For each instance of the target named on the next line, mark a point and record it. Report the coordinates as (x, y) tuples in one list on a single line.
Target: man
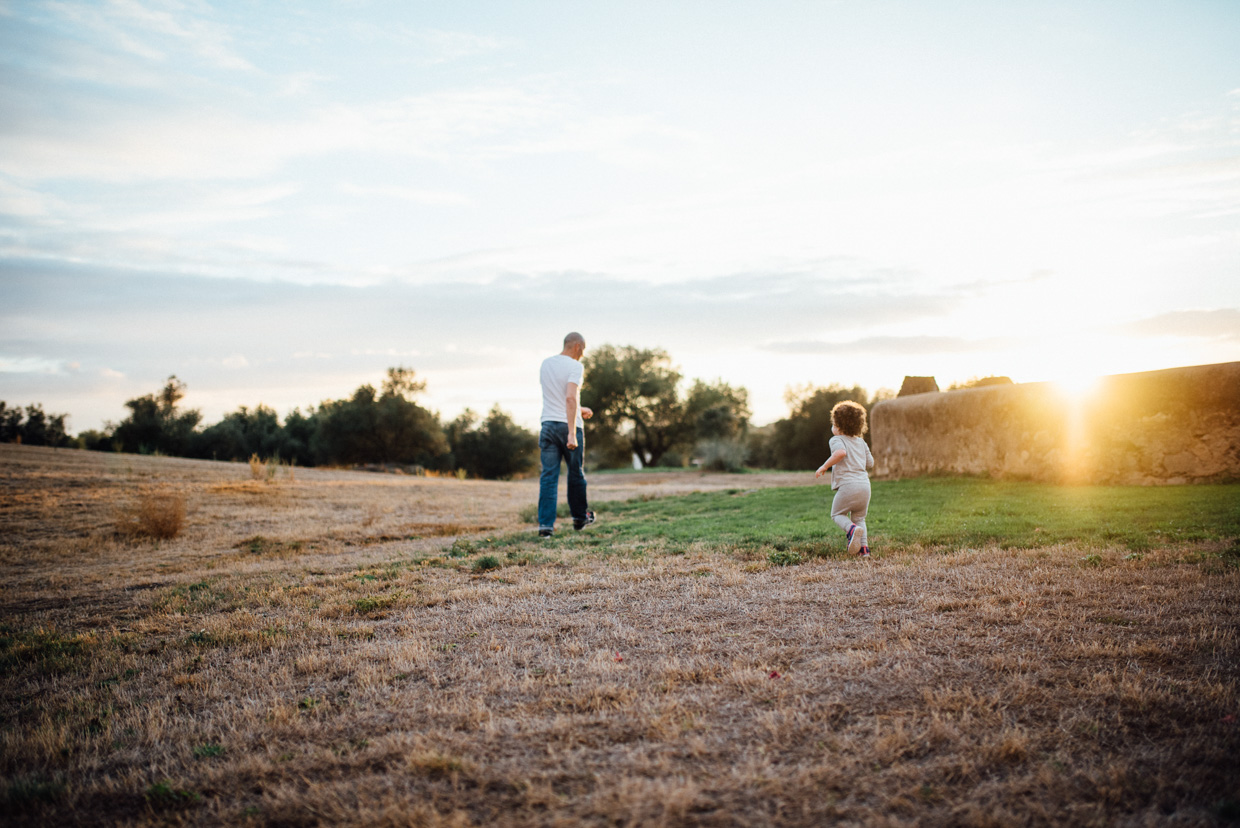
[(563, 435)]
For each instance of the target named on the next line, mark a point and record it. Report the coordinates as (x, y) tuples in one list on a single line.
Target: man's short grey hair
[(573, 338)]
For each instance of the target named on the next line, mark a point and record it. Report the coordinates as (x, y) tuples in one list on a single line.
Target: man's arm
[(572, 402)]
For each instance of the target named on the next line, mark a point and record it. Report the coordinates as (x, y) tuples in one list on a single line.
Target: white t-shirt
[(557, 372), (857, 459)]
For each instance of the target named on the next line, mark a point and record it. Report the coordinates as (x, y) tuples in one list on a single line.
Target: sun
[(1077, 385)]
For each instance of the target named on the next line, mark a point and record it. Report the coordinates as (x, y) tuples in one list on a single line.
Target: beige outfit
[(851, 483)]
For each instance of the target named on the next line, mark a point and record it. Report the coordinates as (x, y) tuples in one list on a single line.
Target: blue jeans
[(553, 447)]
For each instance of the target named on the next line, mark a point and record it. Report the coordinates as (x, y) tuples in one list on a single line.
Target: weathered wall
[(1180, 425)]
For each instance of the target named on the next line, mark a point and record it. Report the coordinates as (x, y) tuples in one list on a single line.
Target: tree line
[(643, 409), (384, 427)]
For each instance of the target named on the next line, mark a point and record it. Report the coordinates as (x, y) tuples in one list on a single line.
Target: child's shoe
[(864, 553), (854, 539)]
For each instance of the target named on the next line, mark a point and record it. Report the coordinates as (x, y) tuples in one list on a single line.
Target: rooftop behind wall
[(1180, 425)]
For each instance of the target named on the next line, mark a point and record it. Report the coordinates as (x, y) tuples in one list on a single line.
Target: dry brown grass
[(308, 653), (157, 513)]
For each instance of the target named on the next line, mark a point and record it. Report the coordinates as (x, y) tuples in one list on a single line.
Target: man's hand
[(572, 439), (586, 413)]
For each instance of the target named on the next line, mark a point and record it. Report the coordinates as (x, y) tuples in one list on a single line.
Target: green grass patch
[(165, 795), (486, 562), (51, 651), (943, 513), (198, 597), (374, 603), (208, 751)]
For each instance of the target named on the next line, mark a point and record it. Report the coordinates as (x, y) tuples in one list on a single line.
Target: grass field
[(343, 648)]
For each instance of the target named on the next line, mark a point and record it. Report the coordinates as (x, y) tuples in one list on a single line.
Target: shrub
[(671, 460), (722, 455), (495, 448), (486, 562), (784, 557), (460, 548), (158, 514)]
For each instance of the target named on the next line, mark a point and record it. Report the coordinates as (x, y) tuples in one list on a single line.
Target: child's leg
[(850, 506), (859, 512), (844, 503)]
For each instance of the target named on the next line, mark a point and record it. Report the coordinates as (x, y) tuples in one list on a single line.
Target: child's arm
[(839, 455)]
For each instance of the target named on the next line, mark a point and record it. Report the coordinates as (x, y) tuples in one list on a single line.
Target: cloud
[(26, 203), (1223, 323), (443, 46), (194, 140), (148, 325), (427, 45), (890, 345), (411, 194), (29, 365), (135, 27)]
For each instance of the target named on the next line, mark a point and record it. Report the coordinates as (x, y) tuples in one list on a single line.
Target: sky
[(278, 201)]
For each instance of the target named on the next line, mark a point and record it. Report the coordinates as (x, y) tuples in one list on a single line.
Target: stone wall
[(1180, 425)]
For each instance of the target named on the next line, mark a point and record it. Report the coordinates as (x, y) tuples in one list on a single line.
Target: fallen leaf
[(775, 674), (619, 657)]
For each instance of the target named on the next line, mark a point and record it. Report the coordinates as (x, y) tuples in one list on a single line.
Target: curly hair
[(849, 418)]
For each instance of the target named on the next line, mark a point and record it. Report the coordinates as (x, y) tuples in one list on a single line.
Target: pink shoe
[(854, 539)]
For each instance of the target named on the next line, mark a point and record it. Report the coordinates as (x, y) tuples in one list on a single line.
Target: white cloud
[(23, 201), (430, 46), (1222, 323), (29, 365), (920, 345), (132, 25), (444, 46), (411, 194)]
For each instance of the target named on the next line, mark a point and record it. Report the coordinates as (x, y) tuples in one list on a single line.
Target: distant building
[(918, 385)]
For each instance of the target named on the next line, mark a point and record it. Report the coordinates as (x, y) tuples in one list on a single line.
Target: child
[(850, 482)]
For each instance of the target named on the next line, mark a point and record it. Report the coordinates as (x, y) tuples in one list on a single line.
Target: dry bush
[(156, 514), (261, 469)]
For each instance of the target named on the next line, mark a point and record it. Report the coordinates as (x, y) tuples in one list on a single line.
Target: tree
[(95, 440), (801, 440), (34, 430), (718, 411), (299, 435), (33, 427), (242, 434), (155, 424), (11, 423), (496, 449), (719, 414), (637, 408), (390, 428), (980, 382)]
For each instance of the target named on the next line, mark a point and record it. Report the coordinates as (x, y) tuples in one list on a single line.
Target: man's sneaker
[(854, 539), (544, 533), (585, 521), (864, 553)]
